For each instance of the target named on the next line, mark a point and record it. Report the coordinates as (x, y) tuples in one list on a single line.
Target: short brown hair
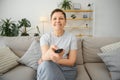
[(58, 10)]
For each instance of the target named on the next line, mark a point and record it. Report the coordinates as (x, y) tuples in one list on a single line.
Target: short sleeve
[(44, 40), (73, 45)]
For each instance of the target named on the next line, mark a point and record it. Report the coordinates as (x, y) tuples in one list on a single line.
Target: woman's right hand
[(54, 56)]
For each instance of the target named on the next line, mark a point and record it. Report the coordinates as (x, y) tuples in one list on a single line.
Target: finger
[(55, 59), (54, 47)]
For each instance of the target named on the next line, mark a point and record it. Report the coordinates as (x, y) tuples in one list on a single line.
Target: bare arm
[(70, 61), (48, 53), (44, 50)]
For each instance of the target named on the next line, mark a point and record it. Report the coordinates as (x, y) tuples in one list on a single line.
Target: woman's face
[(58, 21)]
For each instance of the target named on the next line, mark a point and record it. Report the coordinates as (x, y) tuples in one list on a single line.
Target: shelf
[(78, 10), (79, 27), (83, 35), (80, 19)]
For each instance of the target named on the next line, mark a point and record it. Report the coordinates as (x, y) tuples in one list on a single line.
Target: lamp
[(43, 20)]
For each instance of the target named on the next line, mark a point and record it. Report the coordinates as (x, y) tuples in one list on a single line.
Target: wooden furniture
[(82, 22)]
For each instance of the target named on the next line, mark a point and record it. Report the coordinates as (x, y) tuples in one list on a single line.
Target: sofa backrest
[(79, 51), (18, 45), (91, 46), (87, 47)]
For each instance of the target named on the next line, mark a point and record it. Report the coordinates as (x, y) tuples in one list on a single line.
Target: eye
[(61, 18), (54, 18)]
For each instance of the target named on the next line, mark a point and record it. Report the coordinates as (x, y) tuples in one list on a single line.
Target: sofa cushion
[(20, 73), (79, 51), (91, 46), (82, 74), (18, 45), (112, 61), (8, 59), (97, 71), (110, 47), (32, 55)]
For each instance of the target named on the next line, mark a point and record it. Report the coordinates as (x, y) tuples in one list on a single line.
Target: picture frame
[(76, 6)]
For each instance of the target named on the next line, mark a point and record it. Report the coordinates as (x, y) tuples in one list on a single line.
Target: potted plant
[(24, 23), (66, 5), (8, 28), (38, 32)]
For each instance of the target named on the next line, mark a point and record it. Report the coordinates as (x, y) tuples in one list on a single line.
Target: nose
[(57, 20)]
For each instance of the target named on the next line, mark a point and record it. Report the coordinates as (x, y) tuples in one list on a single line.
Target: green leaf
[(66, 4)]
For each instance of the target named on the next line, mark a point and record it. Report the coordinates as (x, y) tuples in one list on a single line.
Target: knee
[(45, 65)]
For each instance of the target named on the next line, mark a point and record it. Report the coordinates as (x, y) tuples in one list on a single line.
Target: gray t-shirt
[(67, 41)]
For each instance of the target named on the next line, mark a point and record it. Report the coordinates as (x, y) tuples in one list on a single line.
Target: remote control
[(58, 50)]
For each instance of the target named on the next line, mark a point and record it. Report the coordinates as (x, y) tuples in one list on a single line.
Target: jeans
[(49, 70)]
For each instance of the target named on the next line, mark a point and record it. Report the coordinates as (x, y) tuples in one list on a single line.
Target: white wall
[(107, 18), (106, 13), (30, 9)]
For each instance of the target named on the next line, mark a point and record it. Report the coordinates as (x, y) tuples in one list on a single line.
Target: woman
[(53, 66)]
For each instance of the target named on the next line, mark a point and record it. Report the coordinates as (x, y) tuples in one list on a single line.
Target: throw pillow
[(8, 59), (32, 55), (2, 44), (112, 61), (110, 47)]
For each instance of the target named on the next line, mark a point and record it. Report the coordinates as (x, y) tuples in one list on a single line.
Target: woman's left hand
[(57, 57)]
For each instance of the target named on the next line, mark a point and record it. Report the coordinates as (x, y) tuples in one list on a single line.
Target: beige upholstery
[(79, 52), (8, 59), (91, 46), (97, 71), (82, 74), (20, 73), (19, 45), (90, 66)]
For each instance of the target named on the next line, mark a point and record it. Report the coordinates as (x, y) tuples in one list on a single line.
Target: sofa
[(90, 65)]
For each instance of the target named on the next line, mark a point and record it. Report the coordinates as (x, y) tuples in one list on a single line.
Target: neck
[(59, 33)]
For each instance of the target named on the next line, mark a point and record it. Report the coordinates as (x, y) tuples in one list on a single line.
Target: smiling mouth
[(57, 24)]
